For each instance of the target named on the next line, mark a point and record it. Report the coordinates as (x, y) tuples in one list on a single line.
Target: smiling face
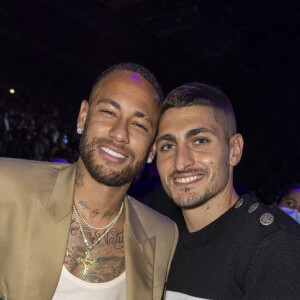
[(193, 157), (120, 127)]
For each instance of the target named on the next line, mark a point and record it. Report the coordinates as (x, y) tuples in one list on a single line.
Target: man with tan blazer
[(70, 231)]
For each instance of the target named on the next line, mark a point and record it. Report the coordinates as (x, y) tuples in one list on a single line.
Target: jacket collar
[(60, 202), (139, 256), (46, 242), (139, 248)]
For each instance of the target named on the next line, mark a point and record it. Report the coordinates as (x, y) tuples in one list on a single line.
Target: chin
[(183, 201), (191, 200)]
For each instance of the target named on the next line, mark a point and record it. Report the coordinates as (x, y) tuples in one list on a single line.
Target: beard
[(212, 189), (102, 173)]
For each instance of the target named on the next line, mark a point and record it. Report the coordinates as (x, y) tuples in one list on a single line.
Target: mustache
[(191, 170), (100, 141)]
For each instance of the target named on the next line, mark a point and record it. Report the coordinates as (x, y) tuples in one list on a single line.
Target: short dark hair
[(204, 95), (136, 68), (287, 190)]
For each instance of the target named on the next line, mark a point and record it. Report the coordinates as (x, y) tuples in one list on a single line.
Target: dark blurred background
[(52, 51)]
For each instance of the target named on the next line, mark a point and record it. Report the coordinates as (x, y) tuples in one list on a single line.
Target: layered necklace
[(87, 260)]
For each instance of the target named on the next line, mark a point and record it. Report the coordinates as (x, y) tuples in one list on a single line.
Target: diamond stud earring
[(149, 160), (79, 129)]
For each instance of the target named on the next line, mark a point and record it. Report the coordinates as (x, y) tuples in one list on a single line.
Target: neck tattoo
[(87, 260)]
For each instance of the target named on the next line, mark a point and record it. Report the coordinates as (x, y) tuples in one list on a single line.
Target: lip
[(187, 179), (112, 154)]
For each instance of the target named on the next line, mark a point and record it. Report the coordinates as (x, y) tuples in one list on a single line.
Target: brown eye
[(108, 112), (140, 126), (290, 204)]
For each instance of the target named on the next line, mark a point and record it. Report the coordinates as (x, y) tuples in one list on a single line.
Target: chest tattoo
[(102, 263)]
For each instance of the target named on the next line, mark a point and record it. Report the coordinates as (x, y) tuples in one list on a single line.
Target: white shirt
[(179, 296), (72, 288)]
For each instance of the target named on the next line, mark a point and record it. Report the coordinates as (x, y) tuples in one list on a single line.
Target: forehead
[(294, 194), (178, 121), (127, 89), (125, 82)]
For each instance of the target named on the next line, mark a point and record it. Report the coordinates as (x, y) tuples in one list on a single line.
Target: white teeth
[(187, 179), (112, 153)]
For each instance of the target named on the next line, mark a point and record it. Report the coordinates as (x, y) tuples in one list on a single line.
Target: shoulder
[(21, 167), (151, 219), (15, 163), (257, 221), (19, 175), (266, 246)]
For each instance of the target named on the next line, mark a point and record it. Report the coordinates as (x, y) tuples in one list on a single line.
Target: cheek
[(215, 163), (140, 143), (205, 159), (95, 126), (162, 166), (284, 205), (159, 163)]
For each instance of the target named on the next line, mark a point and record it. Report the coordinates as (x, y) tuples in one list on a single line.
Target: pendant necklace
[(87, 260)]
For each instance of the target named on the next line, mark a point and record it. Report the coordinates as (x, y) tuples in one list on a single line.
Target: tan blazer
[(35, 213)]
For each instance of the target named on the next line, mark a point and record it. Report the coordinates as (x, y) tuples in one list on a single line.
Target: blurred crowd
[(35, 132)]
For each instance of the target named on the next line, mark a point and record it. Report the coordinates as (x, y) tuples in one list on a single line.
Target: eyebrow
[(291, 199), (115, 104), (139, 114), (166, 137), (109, 101), (196, 131), (188, 134)]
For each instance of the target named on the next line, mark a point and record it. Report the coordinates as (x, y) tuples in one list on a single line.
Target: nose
[(120, 132), (183, 158)]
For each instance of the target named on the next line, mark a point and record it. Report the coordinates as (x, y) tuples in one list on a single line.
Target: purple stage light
[(135, 77)]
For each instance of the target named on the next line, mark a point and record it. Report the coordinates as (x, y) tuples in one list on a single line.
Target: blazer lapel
[(139, 256), (48, 237)]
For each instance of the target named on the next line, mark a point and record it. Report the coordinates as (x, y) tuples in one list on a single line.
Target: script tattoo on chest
[(74, 228), (109, 253), (115, 238)]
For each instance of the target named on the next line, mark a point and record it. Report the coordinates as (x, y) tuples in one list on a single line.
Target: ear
[(152, 154), (153, 149), (236, 144), (84, 109)]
